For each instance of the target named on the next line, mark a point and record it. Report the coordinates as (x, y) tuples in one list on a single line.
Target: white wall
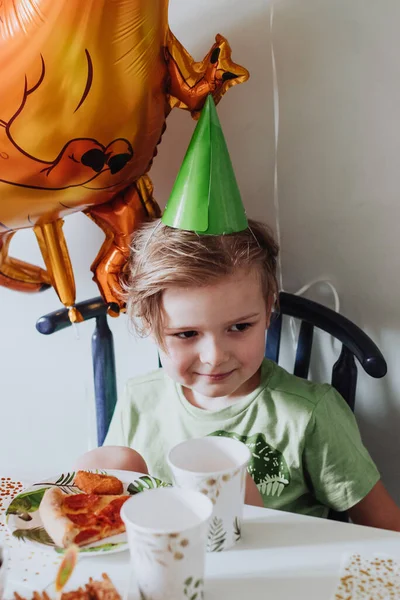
[(339, 85), (339, 82)]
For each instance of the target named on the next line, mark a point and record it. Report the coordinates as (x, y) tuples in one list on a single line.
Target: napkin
[(26, 565), (366, 578)]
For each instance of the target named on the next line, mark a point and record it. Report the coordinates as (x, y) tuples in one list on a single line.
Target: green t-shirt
[(307, 454)]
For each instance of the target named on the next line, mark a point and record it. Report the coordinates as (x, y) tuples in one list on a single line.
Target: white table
[(281, 556)]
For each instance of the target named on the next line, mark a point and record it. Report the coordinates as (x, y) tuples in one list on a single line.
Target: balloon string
[(276, 107), (300, 292), (335, 294), (74, 326), (91, 438), (276, 137), (76, 330)]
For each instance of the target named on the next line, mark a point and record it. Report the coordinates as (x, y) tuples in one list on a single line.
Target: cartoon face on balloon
[(82, 110)]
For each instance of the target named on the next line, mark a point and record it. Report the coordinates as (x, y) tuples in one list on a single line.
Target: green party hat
[(205, 197)]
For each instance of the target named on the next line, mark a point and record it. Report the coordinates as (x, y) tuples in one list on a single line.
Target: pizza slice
[(80, 518)]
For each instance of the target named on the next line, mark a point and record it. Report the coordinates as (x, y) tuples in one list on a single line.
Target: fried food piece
[(94, 590), (42, 596), (102, 590), (36, 596), (95, 483), (79, 594)]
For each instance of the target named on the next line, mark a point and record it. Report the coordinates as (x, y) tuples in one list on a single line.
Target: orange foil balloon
[(85, 90)]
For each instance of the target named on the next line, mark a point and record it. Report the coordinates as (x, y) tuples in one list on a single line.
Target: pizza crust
[(58, 518), (57, 525)]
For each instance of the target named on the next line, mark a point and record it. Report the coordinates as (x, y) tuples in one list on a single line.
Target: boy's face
[(215, 335)]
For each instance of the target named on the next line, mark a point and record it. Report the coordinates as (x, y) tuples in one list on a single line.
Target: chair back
[(355, 343), (103, 356)]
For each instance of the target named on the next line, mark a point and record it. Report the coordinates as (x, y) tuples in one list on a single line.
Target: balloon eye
[(118, 162), (95, 159)]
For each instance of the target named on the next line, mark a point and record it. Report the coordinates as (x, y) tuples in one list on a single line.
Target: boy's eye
[(185, 335), (240, 327)]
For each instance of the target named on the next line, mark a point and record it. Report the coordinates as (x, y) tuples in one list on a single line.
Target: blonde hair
[(163, 257)]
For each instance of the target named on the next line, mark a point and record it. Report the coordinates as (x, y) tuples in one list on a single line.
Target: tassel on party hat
[(205, 197)]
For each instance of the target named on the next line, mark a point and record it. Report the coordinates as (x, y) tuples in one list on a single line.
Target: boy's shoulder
[(289, 387), (149, 376), (150, 387)]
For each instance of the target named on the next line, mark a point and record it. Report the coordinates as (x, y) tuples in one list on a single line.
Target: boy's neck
[(218, 403)]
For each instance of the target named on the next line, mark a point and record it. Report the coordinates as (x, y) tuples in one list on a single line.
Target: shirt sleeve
[(123, 423), (340, 469)]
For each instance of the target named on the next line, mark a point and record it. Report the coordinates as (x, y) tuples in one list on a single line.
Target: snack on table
[(94, 590), (102, 590), (66, 567), (36, 596), (80, 518), (95, 483)]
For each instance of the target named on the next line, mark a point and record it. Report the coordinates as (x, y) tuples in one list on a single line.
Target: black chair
[(103, 357), (355, 343)]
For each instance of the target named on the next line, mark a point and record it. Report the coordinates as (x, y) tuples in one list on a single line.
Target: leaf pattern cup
[(216, 467), (167, 531)]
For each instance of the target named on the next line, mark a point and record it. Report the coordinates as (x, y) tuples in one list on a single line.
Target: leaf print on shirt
[(267, 465)]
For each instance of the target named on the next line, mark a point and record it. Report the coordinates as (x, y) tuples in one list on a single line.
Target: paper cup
[(216, 467), (167, 533)]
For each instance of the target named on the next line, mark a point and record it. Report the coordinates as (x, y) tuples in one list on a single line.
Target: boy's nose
[(213, 353)]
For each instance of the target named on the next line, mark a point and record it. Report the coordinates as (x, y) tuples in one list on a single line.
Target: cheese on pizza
[(80, 518)]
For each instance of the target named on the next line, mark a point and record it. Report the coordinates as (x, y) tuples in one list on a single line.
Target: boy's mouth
[(216, 376)]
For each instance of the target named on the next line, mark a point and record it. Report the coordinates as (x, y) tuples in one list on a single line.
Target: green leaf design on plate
[(101, 548), (216, 536), (27, 502), (146, 482), (65, 479), (37, 534), (65, 482)]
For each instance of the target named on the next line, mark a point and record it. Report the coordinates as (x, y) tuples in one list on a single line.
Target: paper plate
[(23, 518)]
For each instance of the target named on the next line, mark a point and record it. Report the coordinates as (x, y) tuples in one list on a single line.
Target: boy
[(206, 296)]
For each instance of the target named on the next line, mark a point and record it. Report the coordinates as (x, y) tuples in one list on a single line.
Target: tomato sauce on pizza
[(81, 518)]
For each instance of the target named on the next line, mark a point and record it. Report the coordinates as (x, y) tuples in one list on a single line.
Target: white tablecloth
[(281, 556)]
